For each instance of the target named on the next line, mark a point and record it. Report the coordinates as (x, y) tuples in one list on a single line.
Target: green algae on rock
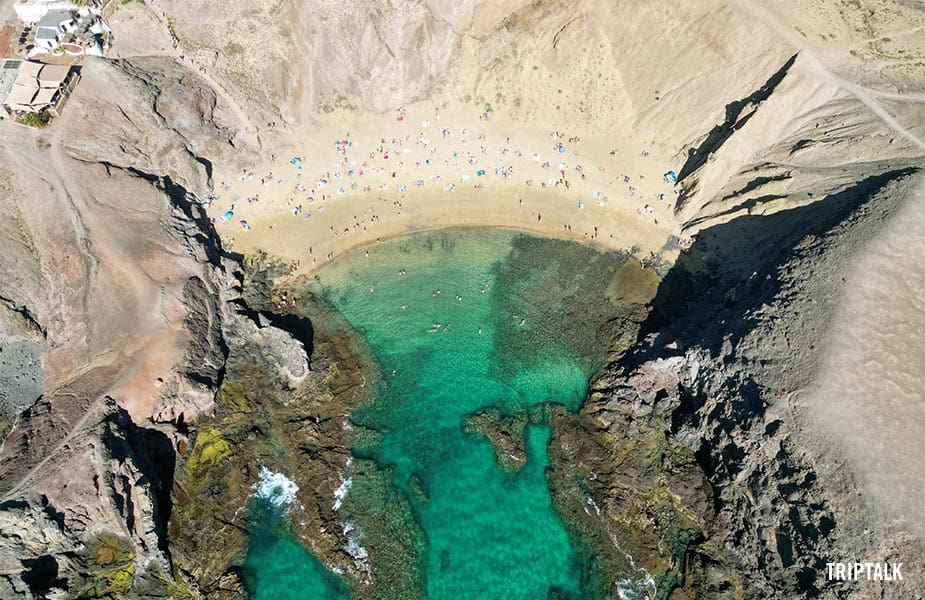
[(266, 416), (209, 450), (109, 567)]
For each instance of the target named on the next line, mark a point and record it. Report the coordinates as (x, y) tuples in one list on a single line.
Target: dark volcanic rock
[(688, 455), (506, 434), (272, 412)]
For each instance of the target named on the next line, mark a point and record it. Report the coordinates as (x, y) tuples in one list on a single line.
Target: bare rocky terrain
[(797, 129)]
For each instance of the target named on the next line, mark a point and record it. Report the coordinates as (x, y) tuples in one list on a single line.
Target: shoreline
[(385, 179), (313, 273)]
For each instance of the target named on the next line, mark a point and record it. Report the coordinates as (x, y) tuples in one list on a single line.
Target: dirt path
[(810, 59)]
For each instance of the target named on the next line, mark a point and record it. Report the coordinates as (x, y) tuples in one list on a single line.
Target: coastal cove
[(480, 336), (462, 300)]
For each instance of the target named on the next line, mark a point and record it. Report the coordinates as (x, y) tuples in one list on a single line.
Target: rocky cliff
[(121, 315), (760, 505), (115, 278)]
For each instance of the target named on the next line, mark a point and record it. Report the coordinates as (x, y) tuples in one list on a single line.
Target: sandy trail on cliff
[(423, 168), (818, 67)]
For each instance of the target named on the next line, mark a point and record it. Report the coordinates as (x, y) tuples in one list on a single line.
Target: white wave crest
[(355, 547), (278, 489), (341, 492)]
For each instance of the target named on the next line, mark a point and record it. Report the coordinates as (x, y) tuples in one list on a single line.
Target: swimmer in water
[(404, 307)]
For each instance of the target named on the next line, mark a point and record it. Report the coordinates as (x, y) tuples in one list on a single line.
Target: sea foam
[(341, 492), (640, 587), (276, 488)]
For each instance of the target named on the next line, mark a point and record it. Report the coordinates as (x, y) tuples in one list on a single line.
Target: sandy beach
[(423, 168)]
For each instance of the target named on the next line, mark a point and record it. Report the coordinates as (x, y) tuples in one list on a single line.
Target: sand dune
[(869, 399)]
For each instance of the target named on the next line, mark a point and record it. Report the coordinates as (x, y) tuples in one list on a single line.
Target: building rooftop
[(20, 97), (31, 11), (53, 18), (9, 69), (35, 86), (29, 70), (46, 33), (52, 75)]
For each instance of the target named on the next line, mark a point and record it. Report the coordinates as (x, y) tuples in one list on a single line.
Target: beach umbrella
[(228, 214)]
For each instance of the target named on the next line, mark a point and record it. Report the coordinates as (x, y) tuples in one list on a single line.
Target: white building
[(74, 31), (32, 11), (52, 27)]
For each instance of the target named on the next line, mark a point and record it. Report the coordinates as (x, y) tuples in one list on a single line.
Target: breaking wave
[(275, 488)]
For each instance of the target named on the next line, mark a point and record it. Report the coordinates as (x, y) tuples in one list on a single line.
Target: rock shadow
[(707, 298)]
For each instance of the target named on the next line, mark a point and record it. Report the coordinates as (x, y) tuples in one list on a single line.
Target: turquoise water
[(460, 321), (279, 568)]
